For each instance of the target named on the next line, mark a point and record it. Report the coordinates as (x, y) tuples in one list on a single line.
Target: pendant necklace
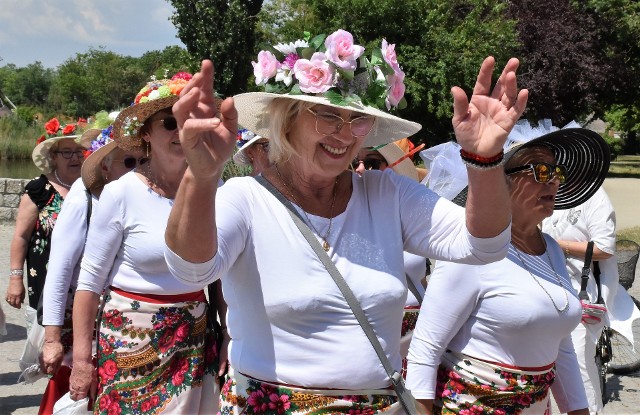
[(55, 173), (325, 237), (557, 277)]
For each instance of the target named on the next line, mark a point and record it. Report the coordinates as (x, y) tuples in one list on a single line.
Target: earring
[(147, 146), (106, 177)]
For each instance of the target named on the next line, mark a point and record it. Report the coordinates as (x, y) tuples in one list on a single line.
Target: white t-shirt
[(498, 312), (125, 245), (67, 245), (288, 321)]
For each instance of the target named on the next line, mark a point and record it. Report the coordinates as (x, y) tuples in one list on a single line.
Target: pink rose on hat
[(389, 54), (396, 89), (266, 67), (315, 75), (341, 50)]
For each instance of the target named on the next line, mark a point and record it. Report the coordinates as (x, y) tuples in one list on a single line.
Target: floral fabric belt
[(469, 385), (245, 395)]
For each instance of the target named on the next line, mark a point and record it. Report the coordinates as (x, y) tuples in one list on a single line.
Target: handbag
[(30, 359), (592, 313), (404, 395)]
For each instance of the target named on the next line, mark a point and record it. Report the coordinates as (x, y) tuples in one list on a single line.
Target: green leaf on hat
[(307, 53), (296, 90), (318, 41), (348, 75)]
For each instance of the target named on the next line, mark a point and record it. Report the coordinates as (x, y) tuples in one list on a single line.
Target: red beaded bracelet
[(482, 160)]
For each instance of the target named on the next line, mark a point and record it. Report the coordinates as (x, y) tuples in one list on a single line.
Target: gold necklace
[(566, 297), (325, 242)]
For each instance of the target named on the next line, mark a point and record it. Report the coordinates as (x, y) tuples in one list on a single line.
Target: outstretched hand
[(207, 128), (483, 123)]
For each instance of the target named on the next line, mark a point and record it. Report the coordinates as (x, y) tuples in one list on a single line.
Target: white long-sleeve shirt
[(67, 244), (125, 245), (288, 320), (499, 313)]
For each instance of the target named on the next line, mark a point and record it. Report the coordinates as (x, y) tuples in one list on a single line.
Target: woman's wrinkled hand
[(83, 381), (483, 123), (207, 133), (51, 357), (224, 353), (15, 292)]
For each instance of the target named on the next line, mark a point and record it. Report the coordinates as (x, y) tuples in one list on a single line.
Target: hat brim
[(40, 154), (586, 156), (88, 136), (240, 158), (583, 152), (142, 112), (392, 152), (92, 168), (252, 114)]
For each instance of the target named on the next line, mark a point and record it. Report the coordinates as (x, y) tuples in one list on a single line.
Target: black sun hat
[(583, 152)]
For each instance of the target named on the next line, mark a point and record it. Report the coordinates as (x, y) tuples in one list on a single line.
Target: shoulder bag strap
[(414, 290), (89, 207), (586, 269), (404, 395)]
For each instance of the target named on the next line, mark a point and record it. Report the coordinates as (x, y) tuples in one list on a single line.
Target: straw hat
[(392, 153), (156, 95), (101, 145), (583, 152), (335, 72), (55, 131), (245, 139)]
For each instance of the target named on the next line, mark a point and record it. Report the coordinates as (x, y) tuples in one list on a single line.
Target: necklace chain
[(325, 242), (566, 297), (55, 173)]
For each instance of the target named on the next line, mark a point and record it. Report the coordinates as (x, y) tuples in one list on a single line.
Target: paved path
[(25, 399)]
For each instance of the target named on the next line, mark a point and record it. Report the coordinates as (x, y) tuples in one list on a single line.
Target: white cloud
[(52, 31)]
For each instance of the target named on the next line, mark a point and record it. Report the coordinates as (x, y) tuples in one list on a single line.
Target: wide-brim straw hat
[(253, 115), (241, 158), (91, 172), (583, 152), (41, 155), (391, 153)]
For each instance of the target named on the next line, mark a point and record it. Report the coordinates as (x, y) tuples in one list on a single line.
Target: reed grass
[(17, 138)]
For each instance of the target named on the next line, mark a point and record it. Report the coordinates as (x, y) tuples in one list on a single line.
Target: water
[(18, 169)]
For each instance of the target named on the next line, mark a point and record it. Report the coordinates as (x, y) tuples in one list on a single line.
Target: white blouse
[(288, 321)]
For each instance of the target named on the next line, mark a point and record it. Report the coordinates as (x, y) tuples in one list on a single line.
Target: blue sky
[(52, 31)]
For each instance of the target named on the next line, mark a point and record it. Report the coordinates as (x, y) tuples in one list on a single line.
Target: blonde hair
[(281, 113)]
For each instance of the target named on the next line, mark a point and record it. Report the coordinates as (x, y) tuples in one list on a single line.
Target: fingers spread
[(460, 105), (483, 82)]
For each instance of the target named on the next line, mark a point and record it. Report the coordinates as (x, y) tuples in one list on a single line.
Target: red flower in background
[(182, 75), (68, 129), (82, 121), (52, 126), (41, 139)]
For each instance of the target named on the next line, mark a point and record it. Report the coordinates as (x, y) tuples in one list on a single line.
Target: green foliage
[(222, 31), (26, 113), (17, 137), (440, 43)]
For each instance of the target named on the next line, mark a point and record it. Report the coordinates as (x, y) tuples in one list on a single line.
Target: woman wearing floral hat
[(297, 346), (155, 351), (59, 155), (104, 162), (253, 151)]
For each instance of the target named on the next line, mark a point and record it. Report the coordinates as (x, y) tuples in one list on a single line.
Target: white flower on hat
[(289, 48)]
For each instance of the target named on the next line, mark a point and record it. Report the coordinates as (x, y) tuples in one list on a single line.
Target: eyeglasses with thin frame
[(370, 163), (169, 123), (131, 162), (67, 154), (542, 172), (328, 123)]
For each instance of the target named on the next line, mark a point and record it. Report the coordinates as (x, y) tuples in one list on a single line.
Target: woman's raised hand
[(207, 133), (483, 124)]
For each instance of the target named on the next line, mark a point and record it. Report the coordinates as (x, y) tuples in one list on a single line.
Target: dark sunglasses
[(542, 172), (369, 163), (169, 123), (131, 162)]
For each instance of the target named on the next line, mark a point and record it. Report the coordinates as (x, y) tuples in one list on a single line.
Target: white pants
[(585, 348)]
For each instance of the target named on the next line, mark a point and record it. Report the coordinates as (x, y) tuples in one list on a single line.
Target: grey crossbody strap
[(404, 395), (414, 290)]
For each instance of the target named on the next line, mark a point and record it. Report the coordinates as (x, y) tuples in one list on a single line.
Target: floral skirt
[(469, 386), (155, 355), (244, 395)]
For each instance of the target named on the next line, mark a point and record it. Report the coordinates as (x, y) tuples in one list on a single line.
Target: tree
[(26, 86), (440, 43), (223, 31), (563, 63)]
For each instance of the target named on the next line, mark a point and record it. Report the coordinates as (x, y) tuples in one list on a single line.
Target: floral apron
[(155, 355), (469, 386)]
